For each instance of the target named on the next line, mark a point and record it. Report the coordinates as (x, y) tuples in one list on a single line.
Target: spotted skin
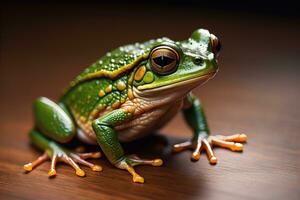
[(128, 93)]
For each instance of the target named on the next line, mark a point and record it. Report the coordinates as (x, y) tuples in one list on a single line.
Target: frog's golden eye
[(164, 60), (215, 44)]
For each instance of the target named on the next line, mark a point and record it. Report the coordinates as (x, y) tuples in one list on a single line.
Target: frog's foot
[(57, 153), (232, 142), (128, 162)]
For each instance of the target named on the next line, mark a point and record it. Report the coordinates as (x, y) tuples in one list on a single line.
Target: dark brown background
[(256, 92)]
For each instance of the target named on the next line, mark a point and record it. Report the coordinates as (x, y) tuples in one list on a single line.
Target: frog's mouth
[(181, 85)]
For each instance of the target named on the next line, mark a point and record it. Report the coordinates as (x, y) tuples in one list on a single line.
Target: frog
[(127, 94)]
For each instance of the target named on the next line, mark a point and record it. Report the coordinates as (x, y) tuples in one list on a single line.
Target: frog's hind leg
[(56, 152), (54, 124)]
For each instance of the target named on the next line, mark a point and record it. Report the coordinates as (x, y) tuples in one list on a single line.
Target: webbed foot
[(128, 162), (233, 142), (57, 153)]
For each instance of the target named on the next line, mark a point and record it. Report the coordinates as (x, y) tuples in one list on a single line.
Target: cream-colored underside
[(148, 118), (148, 122)]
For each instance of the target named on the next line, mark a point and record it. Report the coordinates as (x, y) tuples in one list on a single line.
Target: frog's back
[(105, 85), (118, 61), (91, 97)]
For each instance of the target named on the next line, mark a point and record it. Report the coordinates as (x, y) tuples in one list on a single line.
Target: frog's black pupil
[(163, 60)]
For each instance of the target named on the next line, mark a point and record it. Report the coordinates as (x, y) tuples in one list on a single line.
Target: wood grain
[(256, 92)]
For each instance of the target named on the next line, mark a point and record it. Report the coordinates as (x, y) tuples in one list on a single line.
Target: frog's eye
[(164, 60), (215, 44)]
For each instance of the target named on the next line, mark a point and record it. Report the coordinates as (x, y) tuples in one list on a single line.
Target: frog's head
[(174, 66)]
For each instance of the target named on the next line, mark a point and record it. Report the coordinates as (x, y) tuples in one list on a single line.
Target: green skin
[(58, 123)]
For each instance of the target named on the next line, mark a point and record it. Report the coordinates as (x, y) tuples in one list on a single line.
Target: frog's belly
[(140, 126), (147, 123)]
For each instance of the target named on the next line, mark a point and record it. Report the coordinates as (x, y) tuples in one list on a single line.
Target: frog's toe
[(30, 166), (135, 160), (182, 146), (189, 145), (232, 142), (209, 152), (128, 162), (80, 158), (229, 145), (90, 155), (52, 171)]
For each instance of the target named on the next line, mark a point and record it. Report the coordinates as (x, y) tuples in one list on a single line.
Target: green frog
[(125, 95)]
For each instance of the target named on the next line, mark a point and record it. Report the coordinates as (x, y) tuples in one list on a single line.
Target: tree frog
[(128, 93)]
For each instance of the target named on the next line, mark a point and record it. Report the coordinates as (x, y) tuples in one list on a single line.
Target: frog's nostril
[(215, 44)]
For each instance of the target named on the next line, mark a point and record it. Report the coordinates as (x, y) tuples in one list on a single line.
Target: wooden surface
[(256, 92)]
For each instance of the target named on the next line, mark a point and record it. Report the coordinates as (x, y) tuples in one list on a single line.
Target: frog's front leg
[(108, 140), (195, 117), (53, 125)]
